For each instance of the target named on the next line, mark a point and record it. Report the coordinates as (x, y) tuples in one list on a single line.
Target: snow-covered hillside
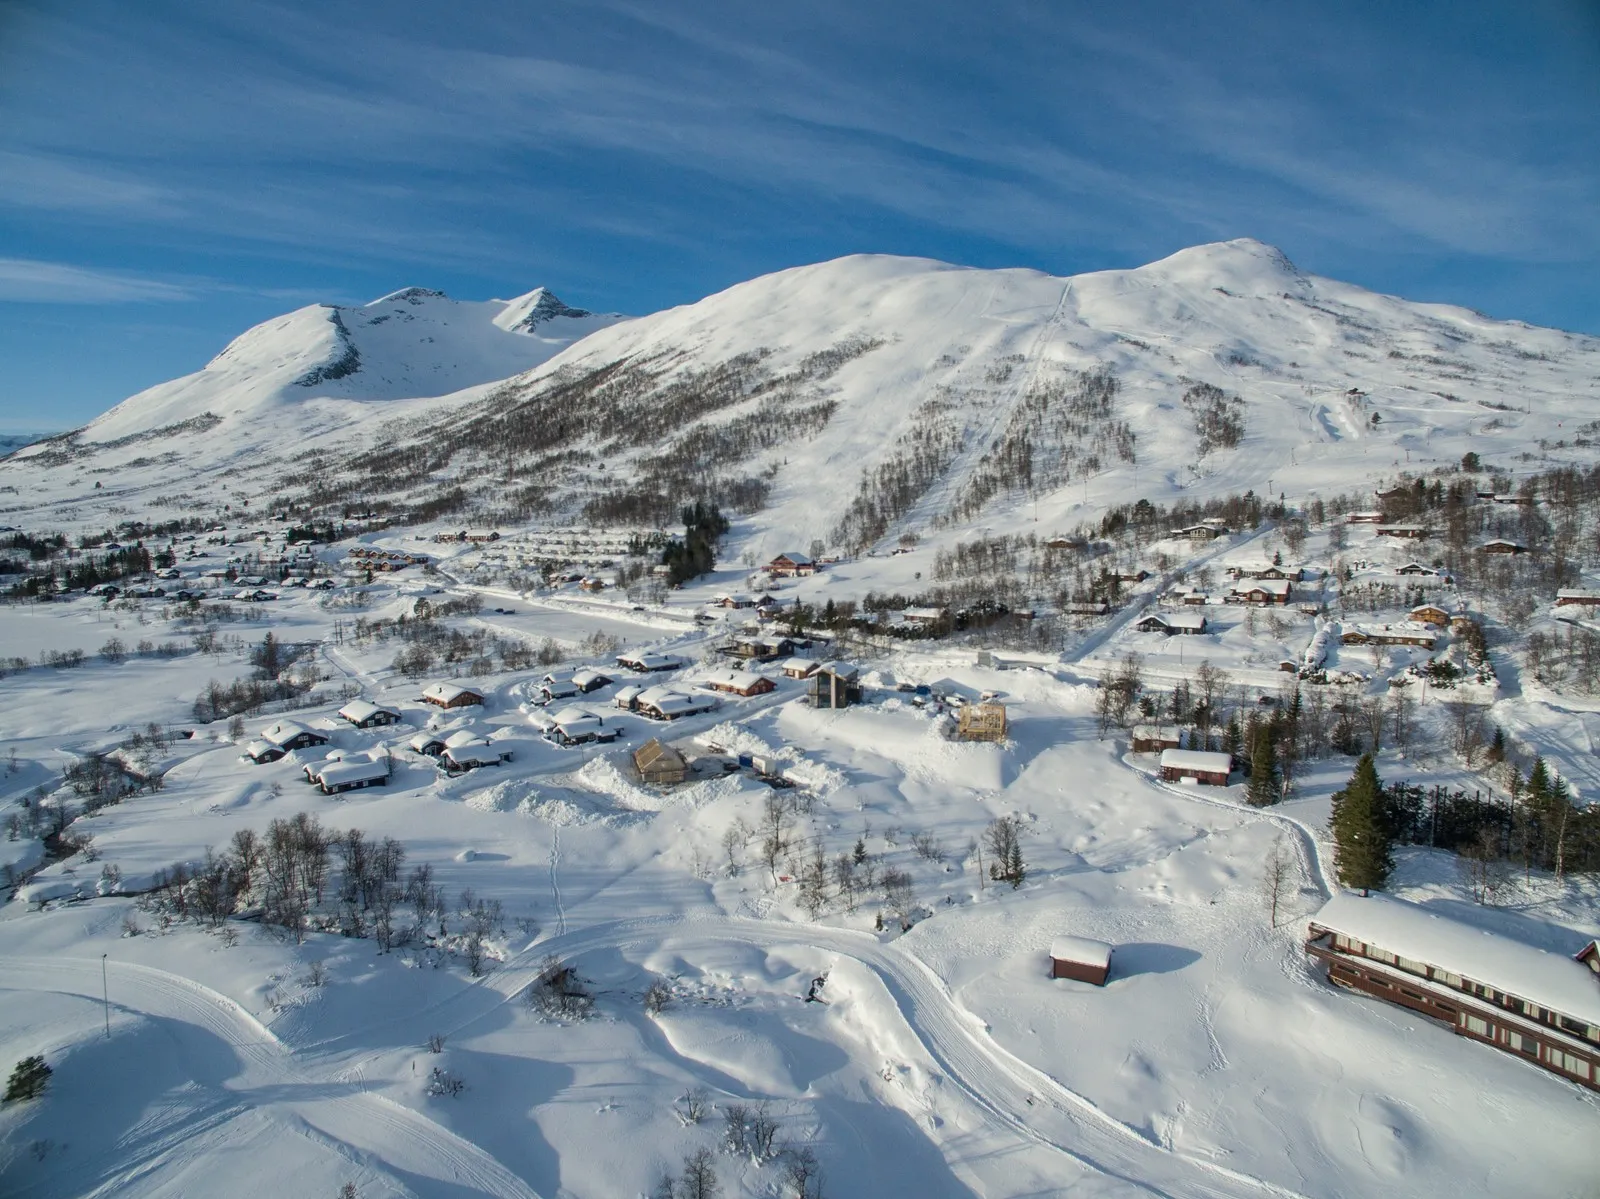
[(301, 371), (848, 400)]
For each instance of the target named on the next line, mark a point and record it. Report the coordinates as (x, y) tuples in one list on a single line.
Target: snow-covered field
[(939, 1060)]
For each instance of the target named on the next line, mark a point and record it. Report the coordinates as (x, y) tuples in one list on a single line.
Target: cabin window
[(1576, 1027), (1574, 1065), (1522, 1044), (1477, 1025), (1412, 965), (1450, 980), (1382, 955)]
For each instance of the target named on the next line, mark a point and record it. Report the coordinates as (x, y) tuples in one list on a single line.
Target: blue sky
[(171, 173)]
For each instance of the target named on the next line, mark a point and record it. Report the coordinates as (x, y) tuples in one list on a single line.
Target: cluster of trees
[(889, 490), (302, 875), (1539, 827), (750, 1131), (703, 525), (1218, 417), (1060, 430)]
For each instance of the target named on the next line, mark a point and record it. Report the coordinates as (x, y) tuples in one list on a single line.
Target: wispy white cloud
[(29, 280)]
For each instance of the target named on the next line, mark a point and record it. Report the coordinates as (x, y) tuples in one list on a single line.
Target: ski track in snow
[(268, 1080)]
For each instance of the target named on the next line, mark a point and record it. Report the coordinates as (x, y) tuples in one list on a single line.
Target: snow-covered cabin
[(1261, 591), (365, 714), (740, 682), (451, 695), (798, 667), (472, 755), (1429, 614), (1415, 569), (660, 765), (1196, 765), (1571, 595), (834, 685), (1405, 632), (1172, 623), (1080, 958), (626, 697), (353, 773), (1151, 739), (791, 565), (663, 703), (1542, 1006), (1501, 546), (646, 663), (587, 680), (1402, 532), (574, 726), (282, 737)]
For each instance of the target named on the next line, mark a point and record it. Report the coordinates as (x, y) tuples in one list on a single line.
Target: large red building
[(1542, 1006)]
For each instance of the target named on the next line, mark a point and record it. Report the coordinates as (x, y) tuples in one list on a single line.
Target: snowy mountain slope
[(414, 342), (853, 399)]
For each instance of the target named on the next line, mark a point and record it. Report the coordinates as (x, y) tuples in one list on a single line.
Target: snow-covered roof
[(841, 669), (1083, 950), (421, 739), (1577, 593), (287, 730), (590, 678), (353, 770), (359, 710), (461, 737), (1270, 586), (569, 718), (446, 692), (626, 695), (1410, 930), (798, 662), (477, 753), (1196, 759), (796, 557), (256, 748), (1180, 620)]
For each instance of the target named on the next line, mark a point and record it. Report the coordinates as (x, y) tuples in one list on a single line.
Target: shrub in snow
[(442, 1082), (558, 992), (29, 1077)]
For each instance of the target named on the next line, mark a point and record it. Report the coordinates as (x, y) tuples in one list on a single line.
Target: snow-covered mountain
[(853, 399), (412, 343)]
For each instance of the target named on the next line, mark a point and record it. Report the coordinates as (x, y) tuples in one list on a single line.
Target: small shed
[(660, 765), (982, 722), (1201, 766), (1080, 958), (798, 668)]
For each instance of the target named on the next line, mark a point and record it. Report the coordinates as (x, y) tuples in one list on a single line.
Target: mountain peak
[(408, 295), (1242, 265), (527, 312)]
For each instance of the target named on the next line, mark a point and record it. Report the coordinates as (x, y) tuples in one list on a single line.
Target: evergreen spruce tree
[(28, 1079), (1264, 785), (1363, 842)]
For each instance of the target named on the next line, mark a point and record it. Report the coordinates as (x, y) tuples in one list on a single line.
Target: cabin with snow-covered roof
[(450, 695), (365, 714), (791, 565), (1542, 1006), (740, 682), (1173, 623), (1195, 765)]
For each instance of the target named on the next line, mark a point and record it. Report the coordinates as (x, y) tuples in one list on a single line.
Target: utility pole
[(105, 994)]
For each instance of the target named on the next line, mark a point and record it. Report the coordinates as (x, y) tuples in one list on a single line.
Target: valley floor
[(936, 1061)]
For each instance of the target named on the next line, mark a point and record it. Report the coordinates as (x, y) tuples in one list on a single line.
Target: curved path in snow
[(998, 1089), (265, 1082)]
